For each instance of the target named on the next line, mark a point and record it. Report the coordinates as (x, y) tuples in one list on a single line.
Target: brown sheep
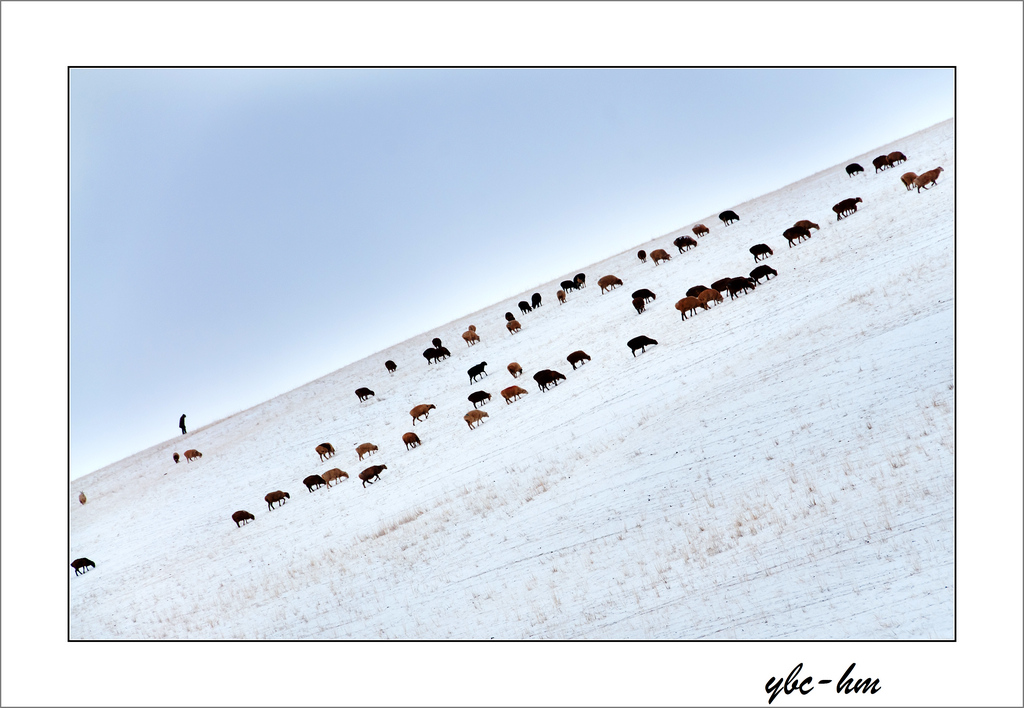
[(192, 454), (313, 480), (907, 179), (242, 517), (331, 475), (561, 297), (515, 369), (795, 234), (645, 294), (609, 282), (513, 327), (81, 497), (927, 178), (82, 564), (277, 496), (689, 304), (895, 158), (176, 458), (642, 255), (700, 229), (846, 207), (512, 393), (659, 255), (371, 473), (365, 449), (325, 450), (638, 304), (721, 285), (474, 417), (547, 377), (471, 337), (881, 163), (471, 328), (577, 357), (709, 295), (479, 397), (391, 366), (421, 411), (805, 224), (411, 440), (364, 393)]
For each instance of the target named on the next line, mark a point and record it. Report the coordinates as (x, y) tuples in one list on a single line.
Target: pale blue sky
[(221, 218)]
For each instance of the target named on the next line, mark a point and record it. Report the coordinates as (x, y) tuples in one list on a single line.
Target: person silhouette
[(181, 423)]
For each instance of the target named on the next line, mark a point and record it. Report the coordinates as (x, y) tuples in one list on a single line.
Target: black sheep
[(81, 564), (479, 397), (475, 371), (762, 271), (738, 285), (641, 343), (728, 216), (547, 377), (313, 480)]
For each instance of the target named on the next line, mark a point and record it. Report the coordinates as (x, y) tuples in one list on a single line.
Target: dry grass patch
[(390, 526)]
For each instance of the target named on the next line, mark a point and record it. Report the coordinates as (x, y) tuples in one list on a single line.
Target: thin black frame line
[(485, 67)]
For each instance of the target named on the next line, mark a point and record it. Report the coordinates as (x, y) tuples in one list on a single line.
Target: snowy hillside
[(778, 466)]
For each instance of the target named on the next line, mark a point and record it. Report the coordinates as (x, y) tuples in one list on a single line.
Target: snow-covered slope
[(779, 466)]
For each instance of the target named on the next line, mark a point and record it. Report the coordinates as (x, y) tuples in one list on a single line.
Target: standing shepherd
[(181, 423)]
